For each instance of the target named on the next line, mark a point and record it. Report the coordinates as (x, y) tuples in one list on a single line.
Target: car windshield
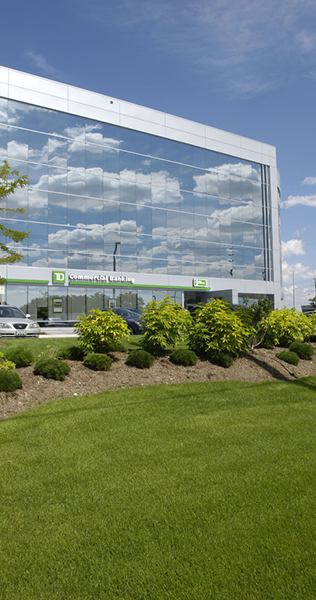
[(10, 312)]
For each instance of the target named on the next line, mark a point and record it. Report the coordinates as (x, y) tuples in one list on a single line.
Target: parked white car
[(14, 323)]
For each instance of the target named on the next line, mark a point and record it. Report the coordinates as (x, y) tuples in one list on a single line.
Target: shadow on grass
[(308, 382)]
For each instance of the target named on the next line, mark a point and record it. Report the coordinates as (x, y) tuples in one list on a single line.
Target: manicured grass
[(39, 345), (186, 492)]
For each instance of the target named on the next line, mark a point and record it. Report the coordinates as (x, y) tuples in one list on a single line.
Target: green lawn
[(197, 491), (39, 345)]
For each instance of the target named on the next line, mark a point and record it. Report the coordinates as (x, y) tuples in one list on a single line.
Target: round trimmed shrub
[(184, 357), (141, 359), (289, 357), (304, 351), (52, 368), (97, 362), (71, 353), (10, 381), (224, 359), (20, 356)]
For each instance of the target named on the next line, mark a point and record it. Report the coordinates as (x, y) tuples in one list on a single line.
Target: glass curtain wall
[(164, 206), (42, 301)]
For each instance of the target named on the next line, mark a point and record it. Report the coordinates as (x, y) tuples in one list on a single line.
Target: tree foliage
[(312, 302), (256, 317), (10, 181)]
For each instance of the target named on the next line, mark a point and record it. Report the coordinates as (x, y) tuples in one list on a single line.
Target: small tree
[(256, 316), (10, 180), (312, 302), (163, 324)]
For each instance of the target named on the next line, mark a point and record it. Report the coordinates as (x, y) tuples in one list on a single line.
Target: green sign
[(59, 277), (200, 283)]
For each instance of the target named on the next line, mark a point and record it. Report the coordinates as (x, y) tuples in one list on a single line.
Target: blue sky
[(244, 66)]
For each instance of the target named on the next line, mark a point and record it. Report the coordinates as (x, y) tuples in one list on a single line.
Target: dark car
[(131, 317)]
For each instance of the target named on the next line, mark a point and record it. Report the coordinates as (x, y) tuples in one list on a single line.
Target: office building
[(126, 204)]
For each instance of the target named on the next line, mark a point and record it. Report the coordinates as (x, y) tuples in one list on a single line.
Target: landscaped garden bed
[(259, 365)]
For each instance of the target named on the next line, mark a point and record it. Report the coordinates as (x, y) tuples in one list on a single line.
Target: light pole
[(114, 257), (292, 270)]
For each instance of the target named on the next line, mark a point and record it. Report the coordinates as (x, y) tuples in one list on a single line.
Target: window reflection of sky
[(96, 184)]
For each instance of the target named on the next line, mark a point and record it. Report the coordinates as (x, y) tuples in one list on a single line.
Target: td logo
[(59, 276)]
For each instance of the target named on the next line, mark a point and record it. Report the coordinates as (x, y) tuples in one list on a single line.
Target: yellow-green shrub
[(217, 329), (287, 325), (163, 323), (101, 331), (6, 365)]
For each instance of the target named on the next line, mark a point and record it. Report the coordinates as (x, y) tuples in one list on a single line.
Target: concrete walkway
[(67, 332)]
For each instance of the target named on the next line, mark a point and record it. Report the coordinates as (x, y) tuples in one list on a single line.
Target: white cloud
[(299, 232), (301, 296), (300, 272), (41, 63), (309, 181), (295, 200), (307, 40), (238, 41), (293, 247)]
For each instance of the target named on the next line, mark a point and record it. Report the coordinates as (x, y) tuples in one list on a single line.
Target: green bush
[(97, 362), (163, 324), (10, 381), (71, 353), (21, 357), (223, 359), (312, 319), (216, 329), (184, 357), (101, 331), (140, 359), (288, 325), (52, 368), (304, 351), (289, 357)]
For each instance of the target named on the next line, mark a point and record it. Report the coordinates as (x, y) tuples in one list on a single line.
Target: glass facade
[(108, 198), (42, 301)]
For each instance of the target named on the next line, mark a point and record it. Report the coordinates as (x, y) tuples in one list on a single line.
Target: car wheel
[(130, 329)]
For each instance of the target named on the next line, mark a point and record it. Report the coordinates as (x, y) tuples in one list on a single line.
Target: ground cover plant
[(173, 492), (73, 352), (183, 356), (20, 356), (289, 357), (140, 359), (97, 362), (304, 351), (10, 381), (52, 368)]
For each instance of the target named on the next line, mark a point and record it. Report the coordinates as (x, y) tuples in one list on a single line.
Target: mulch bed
[(260, 365)]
